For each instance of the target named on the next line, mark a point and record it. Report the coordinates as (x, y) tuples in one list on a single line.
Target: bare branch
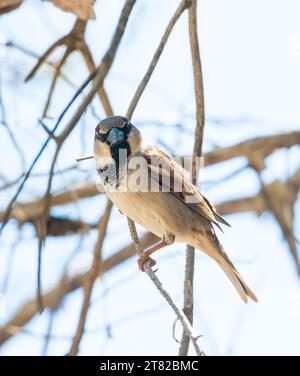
[(9, 5), (83, 9), (29, 211), (264, 146), (58, 226), (254, 149)]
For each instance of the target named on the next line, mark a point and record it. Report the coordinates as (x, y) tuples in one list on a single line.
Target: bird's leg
[(146, 255), (167, 240)]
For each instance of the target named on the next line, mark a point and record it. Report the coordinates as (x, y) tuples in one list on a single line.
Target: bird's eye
[(101, 136)]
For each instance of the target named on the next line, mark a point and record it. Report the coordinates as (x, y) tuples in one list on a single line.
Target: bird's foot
[(145, 258)]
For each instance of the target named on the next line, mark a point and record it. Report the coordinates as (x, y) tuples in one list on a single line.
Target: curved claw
[(142, 259)]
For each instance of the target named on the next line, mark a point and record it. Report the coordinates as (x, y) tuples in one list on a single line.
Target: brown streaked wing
[(177, 177)]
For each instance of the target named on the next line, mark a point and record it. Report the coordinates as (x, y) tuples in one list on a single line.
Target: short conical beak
[(115, 135)]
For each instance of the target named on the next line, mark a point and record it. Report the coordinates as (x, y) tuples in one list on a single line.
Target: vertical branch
[(187, 327), (90, 279), (197, 151)]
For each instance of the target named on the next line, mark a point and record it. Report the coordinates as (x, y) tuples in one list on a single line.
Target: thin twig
[(74, 41), (84, 158), (98, 76), (197, 152), (48, 333), (137, 96), (54, 66), (179, 313), (34, 55), (40, 152)]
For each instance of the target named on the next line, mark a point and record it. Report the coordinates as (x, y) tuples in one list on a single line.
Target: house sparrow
[(181, 215)]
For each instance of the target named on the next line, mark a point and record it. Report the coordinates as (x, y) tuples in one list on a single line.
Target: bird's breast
[(159, 212), (138, 207)]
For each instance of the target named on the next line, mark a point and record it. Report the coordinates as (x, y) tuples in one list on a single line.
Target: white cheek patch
[(102, 162), (101, 150), (134, 140)]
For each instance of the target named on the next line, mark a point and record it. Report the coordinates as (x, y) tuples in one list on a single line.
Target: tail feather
[(242, 288), (212, 247)]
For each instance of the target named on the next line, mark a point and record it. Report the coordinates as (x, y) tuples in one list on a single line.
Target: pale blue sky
[(250, 53)]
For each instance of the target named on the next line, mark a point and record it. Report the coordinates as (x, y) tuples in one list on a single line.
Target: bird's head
[(116, 135)]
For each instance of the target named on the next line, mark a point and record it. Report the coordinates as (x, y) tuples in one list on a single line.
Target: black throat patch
[(120, 152)]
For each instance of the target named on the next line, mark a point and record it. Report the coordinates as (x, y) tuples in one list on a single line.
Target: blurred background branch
[(251, 168)]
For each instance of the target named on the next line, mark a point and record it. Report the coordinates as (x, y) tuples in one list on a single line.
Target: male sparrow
[(154, 191)]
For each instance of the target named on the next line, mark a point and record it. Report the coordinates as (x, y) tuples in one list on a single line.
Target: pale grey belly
[(161, 213)]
